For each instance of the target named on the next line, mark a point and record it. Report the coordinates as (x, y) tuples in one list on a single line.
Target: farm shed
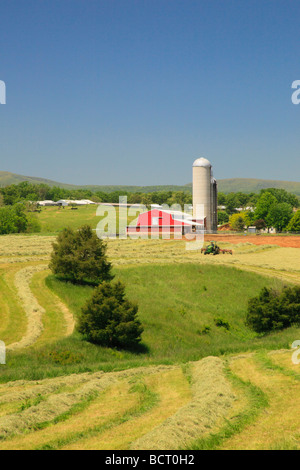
[(81, 202), (46, 203)]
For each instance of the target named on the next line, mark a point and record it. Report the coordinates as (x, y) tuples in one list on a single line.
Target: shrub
[(80, 256), (274, 310), (109, 319), (204, 330), (222, 323)]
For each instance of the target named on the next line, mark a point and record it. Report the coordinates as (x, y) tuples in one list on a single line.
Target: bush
[(108, 319), (274, 310), (80, 257), (219, 322), (204, 330)]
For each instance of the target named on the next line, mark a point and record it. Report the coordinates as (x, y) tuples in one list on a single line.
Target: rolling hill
[(246, 185)]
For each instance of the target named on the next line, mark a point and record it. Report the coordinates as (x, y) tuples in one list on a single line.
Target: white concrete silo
[(202, 193)]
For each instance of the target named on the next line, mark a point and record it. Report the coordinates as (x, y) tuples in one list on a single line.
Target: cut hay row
[(55, 403), (22, 390), (52, 407), (33, 310), (59, 321), (278, 428), (177, 418), (68, 316), (22, 246), (212, 399), (160, 395)]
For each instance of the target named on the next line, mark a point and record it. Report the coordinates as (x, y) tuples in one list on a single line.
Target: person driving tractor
[(212, 248)]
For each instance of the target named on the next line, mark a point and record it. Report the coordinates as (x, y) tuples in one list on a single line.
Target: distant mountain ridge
[(246, 185)]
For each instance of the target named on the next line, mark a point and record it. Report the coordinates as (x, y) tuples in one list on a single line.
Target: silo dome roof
[(202, 162)]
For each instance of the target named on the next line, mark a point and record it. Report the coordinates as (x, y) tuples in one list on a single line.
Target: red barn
[(166, 222)]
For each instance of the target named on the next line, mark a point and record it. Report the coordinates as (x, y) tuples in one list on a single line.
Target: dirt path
[(292, 241)]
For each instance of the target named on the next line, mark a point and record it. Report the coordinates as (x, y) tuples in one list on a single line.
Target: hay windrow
[(51, 408), (33, 310), (212, 399), (30, 390), (57, 404)]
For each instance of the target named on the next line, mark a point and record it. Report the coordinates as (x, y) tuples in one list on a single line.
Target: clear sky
[(132, 91)]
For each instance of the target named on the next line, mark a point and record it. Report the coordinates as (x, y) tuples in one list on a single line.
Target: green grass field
[(191, 384), (54, 219)]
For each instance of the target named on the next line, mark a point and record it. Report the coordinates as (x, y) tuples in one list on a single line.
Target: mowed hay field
[(192, 384)]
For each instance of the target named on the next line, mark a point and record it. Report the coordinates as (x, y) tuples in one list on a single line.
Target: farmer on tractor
[(212, 248)]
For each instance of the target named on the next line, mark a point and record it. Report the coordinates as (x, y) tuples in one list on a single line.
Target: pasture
[(60, 392)]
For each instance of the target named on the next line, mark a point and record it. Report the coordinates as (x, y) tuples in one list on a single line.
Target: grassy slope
[(173, 313), (177, 301)]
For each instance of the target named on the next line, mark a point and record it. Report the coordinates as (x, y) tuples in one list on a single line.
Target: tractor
[(212, 248)]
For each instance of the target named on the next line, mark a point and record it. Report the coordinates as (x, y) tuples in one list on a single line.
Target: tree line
[(26, 191), (270, 208)]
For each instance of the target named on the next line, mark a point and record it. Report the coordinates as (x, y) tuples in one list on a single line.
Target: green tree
[(263, 206), (282, 195), (239, 221), (80, 256), (260, 224), (13, 219), (294, 224), (109, 319), (221, 199), (280, 215), (232, 203), (223, 218)]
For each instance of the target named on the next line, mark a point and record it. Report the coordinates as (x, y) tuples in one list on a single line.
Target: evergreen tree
[(80, 256), (109, 319)]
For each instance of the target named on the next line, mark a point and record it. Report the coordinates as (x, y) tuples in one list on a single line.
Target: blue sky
[(132, 91)]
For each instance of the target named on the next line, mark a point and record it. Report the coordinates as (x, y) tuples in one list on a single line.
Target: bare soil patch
[(290, 241)]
